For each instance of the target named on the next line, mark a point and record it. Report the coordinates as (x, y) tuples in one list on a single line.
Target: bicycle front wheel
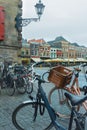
[(23, 117), (20, 85), (59, 102), (29, 87)]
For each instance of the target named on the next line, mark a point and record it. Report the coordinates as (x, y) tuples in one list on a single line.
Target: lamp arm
[(26, 21)]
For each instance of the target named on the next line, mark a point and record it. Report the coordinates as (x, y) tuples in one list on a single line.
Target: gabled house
[(39, 49)]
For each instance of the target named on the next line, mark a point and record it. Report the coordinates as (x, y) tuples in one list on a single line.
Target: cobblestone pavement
[(9, 103)]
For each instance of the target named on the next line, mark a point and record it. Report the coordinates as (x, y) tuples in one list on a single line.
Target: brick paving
[(9, 103)]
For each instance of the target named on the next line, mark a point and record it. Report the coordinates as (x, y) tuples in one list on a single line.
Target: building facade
[(44, 51), (36, 50), (10, 37)]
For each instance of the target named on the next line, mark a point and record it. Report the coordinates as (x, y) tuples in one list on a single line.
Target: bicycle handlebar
[(41, 62), (40, 80), (38, 63)]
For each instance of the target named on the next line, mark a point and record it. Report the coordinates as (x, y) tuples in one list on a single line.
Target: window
[(22, 53), (26, 52)]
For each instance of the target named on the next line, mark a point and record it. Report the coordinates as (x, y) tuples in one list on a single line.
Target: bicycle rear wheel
[(10, 89), (59, 102), (23, 115)]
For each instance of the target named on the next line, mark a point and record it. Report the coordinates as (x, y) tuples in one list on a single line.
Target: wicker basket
[(60, 76)]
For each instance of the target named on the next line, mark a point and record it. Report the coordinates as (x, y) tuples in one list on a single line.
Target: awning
[(54, 60), (25, 59), (36, 59)]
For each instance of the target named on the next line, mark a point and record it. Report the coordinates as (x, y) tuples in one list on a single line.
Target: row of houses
[(40, 49)]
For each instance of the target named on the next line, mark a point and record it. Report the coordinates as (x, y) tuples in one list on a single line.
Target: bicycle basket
[(60, 76)]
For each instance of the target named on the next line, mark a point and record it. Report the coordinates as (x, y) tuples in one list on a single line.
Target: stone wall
[(10, 46)]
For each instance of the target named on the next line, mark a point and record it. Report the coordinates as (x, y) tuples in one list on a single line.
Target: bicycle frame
[(32, 73), (42, 95), (76, 116), (84, 71), (74, 87)]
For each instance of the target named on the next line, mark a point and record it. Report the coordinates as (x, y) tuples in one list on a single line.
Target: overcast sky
[(67, 18)]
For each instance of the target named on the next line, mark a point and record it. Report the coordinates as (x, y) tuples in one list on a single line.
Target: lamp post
[(21, 22), (39, 10)]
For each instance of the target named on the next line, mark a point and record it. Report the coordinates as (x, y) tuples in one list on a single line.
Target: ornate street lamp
[(21, 22), (39, 9)]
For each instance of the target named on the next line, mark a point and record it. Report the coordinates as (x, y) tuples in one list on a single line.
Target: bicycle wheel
[(20, 85), (45, 77), (60, 103), (29, 87), (10, 89), (23, 116), (81, 121)]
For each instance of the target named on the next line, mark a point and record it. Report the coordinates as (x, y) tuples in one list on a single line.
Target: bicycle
[(40, 107), (17, 78), (84, 69), (58, 90), (25, 75), (31, 69), (7, 82), (20, 79)]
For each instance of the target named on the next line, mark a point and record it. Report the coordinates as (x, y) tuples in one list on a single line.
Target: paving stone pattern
[(9, 103)]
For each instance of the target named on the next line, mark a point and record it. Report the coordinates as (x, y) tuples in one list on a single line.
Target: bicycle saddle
[(76, 99)]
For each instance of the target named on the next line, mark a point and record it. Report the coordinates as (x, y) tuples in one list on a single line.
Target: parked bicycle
[(23, 78), (10, 82), (58, 75), (84, 69), (16, 78), (30, 115)]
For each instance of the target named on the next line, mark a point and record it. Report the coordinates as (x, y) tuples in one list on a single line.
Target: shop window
[(22, 53), (26, 52)]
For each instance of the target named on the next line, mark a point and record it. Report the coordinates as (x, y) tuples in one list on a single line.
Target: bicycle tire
[(29, 87), (20, 85), (45, 77), (10, 89), (22, 117), (63, 108)]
